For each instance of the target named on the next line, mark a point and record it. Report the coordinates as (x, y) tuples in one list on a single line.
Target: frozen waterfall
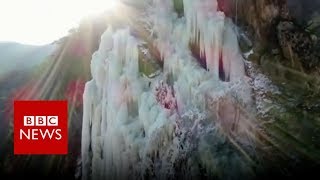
[(161, 127)]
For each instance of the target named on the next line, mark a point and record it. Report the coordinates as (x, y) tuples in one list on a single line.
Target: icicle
[(214, 40), (92, 110), (86, 130)]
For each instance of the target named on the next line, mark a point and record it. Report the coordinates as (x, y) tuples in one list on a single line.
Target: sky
[(40, 22)]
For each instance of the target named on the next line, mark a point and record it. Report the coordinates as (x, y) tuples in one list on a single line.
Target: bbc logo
[(40, 127), (40, 120)]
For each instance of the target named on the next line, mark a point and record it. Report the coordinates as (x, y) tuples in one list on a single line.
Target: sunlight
[(40, 22)]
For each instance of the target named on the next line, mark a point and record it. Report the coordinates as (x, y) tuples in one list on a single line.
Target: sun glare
[(43, 21)]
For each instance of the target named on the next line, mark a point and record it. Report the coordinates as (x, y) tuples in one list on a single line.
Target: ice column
[(123, 123), (213, 32)]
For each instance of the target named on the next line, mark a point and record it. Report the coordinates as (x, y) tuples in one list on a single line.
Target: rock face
[(296, 44), (279, 23), (259, 15)]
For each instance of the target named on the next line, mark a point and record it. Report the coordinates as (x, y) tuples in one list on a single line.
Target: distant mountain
[(15, 56)]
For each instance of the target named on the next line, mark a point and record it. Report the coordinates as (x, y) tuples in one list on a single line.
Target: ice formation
[(159, 128)]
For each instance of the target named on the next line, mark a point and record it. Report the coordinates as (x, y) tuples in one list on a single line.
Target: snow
[(130, 127)]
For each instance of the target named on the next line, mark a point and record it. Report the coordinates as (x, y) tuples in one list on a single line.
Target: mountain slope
[(15, 56)]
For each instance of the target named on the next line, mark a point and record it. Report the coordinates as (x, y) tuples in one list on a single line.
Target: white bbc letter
[(28, 120), (41, 120), (52, 121)]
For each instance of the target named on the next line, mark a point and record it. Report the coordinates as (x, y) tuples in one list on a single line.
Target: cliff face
[(259, 15), (290, 26), (263, 15), (120, 138)]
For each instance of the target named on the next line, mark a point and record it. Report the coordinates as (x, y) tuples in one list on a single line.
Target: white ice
[(124, 127)]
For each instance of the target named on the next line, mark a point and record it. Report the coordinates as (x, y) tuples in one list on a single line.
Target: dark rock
[(275, 51), (296, 45), (245, 43), (260, 15)]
